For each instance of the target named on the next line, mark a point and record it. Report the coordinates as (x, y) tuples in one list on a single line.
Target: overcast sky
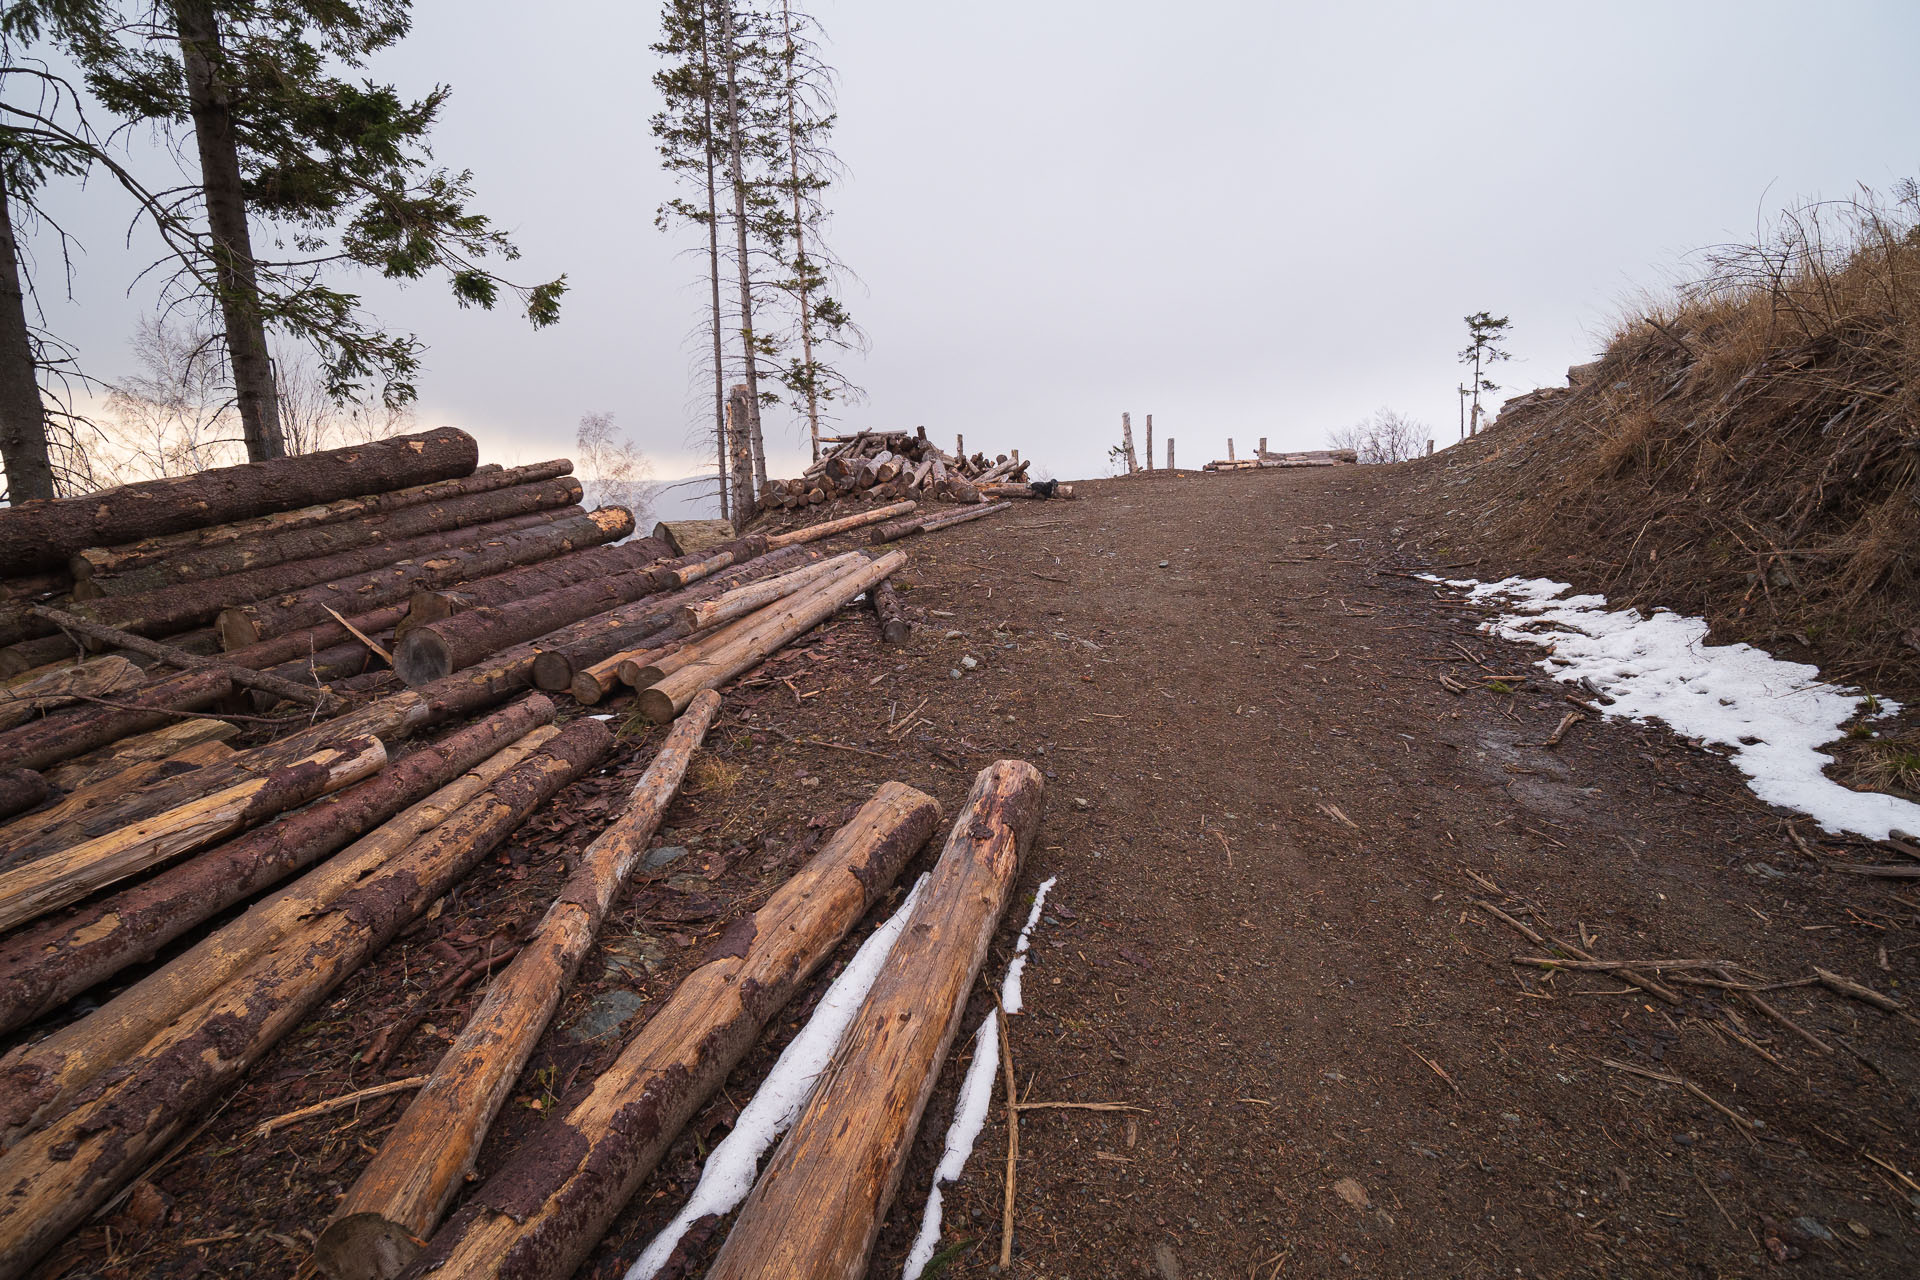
[(1246, 219)]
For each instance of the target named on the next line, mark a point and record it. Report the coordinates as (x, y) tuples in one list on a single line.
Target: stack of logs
[(153, 629), (900, 464), (1262, 458)]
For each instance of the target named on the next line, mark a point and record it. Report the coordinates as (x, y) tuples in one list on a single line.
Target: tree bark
[(827, 528), (395, 530), (43, 967), (21, 790), (401, 1196), (538, 1217), (816, 1210), (107, 561), (30, 891), (247, 624), (389, 719), (84, 799), (167, 740), (46, 535), (742, 414), (780, 623), (303, 642), (894, 627), (532, 580), (58, 1176), (897, 529), (40, 743), (23, 415), (237, 288)]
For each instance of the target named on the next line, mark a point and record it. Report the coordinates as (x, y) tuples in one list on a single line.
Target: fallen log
[(88, 561), (779, 622), (743, 600), (897, 529), (636, 665), (532, 580), (37, 535), (246, 677), (157, 744), (818, 1207), (21, 790), (389, 719), (30, 891), (304, 641), (1043, 489), (686, 537), (894, 627), (247, 624), (43, 967), (77, 804), (335, 538), (720, 636), (593, 683), (59, 1175), (74, 730), (537, 1218), (401, 1196), (827, 528), (33, 694)]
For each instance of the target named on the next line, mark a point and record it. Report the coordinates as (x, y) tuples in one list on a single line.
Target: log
[(537, 1218), (35, 693), (30, 891), (42, 535), (246, 677), (21, 790), (43, 967), (827, 528), (59, 1175), (894, 627), (437, 649), (743, 600), (158, 744), (533, 579), (105, 560), (401, 1196), (334, 538), (778, 623), (822, 1199), (302, 642), (593, 683), (390, 719), (79, 729), (113, 788), (247, 624), (715, 638), (894, 530), (686, 537), (960, 489)]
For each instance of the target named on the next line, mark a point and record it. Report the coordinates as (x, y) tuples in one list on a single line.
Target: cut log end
[(657, 705), (552, 671), (235, 629), (422, 658)]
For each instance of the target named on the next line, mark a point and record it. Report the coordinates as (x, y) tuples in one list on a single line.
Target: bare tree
[(1383, 436), (312, 420), (611, 468), (175, 415)]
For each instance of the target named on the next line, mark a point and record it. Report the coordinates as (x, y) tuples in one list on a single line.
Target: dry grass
[(1750, 447)]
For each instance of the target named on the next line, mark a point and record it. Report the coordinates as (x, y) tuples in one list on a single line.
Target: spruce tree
[(1484, 333)]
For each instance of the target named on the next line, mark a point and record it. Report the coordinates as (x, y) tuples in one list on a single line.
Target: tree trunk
[(58, 1176), (522, 503), (711, 152), (827, 528), (741, 413), (780, 623), (1126, 443), (46, 535), (43, 967), (30, 891), (800, 266), (400, 1197), (894, 627), (894, 531), (237, 289), (461, 557), (23, 415), (103, 562), (48, 741), (532, 580), (816, 1210), (21, 790), (389, 719), (555, 1197), (303, 642), (750, 421)]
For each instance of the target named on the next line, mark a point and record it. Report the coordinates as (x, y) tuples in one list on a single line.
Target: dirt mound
[(1750, 451)]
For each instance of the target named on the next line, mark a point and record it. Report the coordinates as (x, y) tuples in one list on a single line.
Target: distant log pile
[(1262, 458), (895, 465)]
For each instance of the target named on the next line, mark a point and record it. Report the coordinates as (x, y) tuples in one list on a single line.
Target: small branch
[(321, 699), (335, 1104)]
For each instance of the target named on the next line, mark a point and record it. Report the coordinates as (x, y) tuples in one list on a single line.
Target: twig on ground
[(367, 1094)]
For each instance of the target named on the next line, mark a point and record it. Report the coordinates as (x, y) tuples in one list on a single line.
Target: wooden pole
[(40, 886), (1126, 442), (714, 639), (43, 967), (817, 1208), (1230, 457), (1170, 466), (780, 623), (400, 1197), (532, 579), (538, 1217), (1149, 443), (75, 730), (827, 528), (59, 1175)]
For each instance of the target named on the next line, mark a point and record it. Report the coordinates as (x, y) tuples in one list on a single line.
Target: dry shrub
[(709, 776), (1749, 447)]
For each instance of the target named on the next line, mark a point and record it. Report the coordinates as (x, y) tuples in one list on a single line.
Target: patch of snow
[(976, 1091), (731, 1168), (1772, 715)]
